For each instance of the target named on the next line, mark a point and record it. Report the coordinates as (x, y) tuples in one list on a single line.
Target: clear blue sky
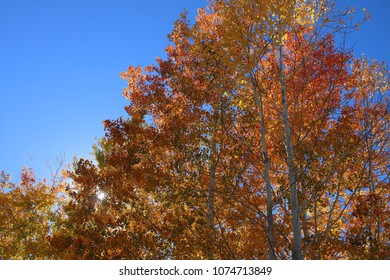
[(60, 63)]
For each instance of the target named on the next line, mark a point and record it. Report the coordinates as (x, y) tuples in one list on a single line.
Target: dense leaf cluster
[(256, 138)]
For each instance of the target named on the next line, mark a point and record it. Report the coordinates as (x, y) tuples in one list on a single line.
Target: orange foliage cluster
[(253, 111)]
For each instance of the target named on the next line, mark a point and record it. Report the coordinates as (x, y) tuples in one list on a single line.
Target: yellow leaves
[(370, 78), (27, 215), (280, 39), (240, 104), (284, 38), (305, 15), (158, 174)]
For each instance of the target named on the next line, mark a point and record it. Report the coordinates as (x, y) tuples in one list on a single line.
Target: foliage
[(28, 214), (256, 137)]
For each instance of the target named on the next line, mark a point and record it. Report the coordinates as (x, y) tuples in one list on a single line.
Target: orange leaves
[(367, 205), (184, 174), (371, 80), (28, 215)]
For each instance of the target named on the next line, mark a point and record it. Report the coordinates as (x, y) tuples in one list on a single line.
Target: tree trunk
[(292, 175), (267, 178), (210, 211)]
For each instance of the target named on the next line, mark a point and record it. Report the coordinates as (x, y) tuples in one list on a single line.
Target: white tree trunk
[(292, 175), (267, 178)]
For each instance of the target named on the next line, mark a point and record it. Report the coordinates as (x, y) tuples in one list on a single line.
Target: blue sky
[(60, 63)]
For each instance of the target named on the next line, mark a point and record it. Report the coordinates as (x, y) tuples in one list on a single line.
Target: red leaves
[(184, 174), (367, 205), (60, 242)]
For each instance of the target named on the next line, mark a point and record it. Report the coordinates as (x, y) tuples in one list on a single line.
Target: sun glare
[(101, 195)]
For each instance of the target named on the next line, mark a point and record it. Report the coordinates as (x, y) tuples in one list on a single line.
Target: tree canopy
[(257, 137)]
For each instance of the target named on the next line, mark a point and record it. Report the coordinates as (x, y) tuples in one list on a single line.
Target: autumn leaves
[(255, 138)]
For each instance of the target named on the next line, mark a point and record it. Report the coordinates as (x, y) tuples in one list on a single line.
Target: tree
[(256, 137), (28, 214)]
